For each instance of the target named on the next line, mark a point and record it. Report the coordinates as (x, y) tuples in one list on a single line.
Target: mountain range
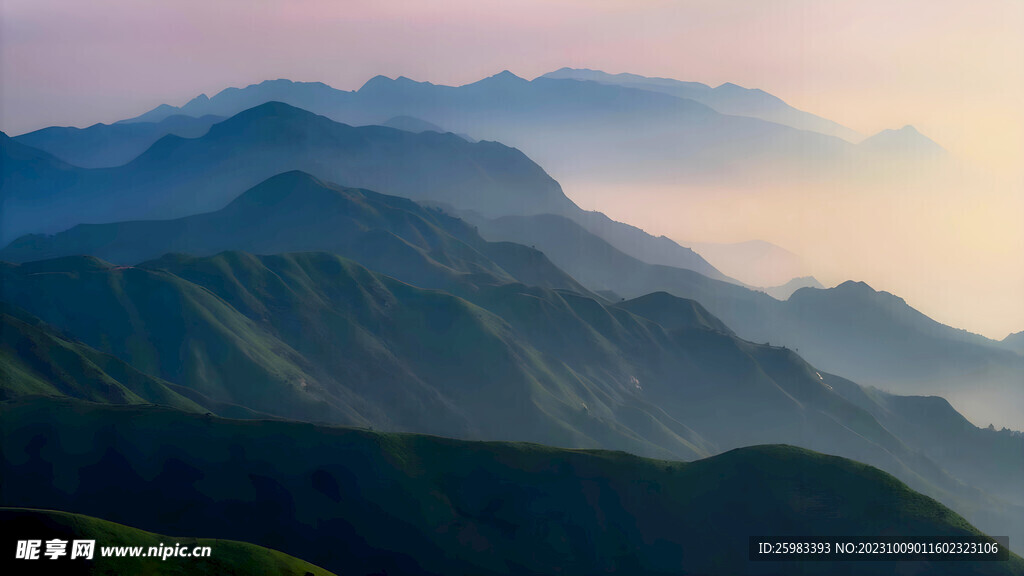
[(314, 337), (361, 502), (179, 176), (187, 176), (109, 145), (613, 130), (834, 329), (190, 323), (727, 98)]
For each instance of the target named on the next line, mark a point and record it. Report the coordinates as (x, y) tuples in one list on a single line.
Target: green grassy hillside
[(315, 337), (36, 360), (360, 502), (226, 558)]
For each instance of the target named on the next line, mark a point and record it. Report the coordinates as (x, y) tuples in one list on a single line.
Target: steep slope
[(165, 328), (177, 177), (834, 329), (106, 145), (363, 502), (296, 212), (984, 457), (909, 352), (645, 247), (600, 266), (34, 360), (315, 337), (727, 99), (226, 557)]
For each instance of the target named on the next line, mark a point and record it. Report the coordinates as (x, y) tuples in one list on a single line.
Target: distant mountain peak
[(272, 108), (503, 78), (198, 100), (905, 139), (855, 287), (377, 82), (288, 186)]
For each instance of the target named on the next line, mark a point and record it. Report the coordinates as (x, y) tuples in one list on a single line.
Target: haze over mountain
[(187, 176), (178, 176), (107, 145), (658, 375), (755, 262), (834, 329), (1015, 342), (906, 141), (649, 130), (795, 192), (786, 290), (458, 326), (727, 99), (296, 212), (405, 504)]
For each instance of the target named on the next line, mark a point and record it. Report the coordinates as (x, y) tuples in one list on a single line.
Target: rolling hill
[(226, 557), (361, 502)]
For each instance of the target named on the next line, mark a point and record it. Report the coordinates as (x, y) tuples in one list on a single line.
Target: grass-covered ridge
[(227, 557), (363, 502)]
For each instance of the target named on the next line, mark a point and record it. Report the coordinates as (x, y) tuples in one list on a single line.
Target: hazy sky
[(953, 69)]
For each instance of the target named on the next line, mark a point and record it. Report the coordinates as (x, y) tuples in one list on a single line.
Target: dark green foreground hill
[(360, 502), (226, 557)]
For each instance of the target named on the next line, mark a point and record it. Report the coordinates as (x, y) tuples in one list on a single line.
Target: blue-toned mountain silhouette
[(179, 177), (591, 131), (727, 99), (108, 145)]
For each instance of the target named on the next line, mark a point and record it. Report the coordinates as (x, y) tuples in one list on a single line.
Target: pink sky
[(953, 69)]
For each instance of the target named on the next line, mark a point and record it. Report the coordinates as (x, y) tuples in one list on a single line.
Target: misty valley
[(367, 332)]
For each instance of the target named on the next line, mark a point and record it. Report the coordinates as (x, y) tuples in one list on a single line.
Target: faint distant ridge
[(755, 262), (108, 145), (786, 290), (857, 306), (1014, 342), (906, 141), (727, 98), (412, 124), (311, 96)]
